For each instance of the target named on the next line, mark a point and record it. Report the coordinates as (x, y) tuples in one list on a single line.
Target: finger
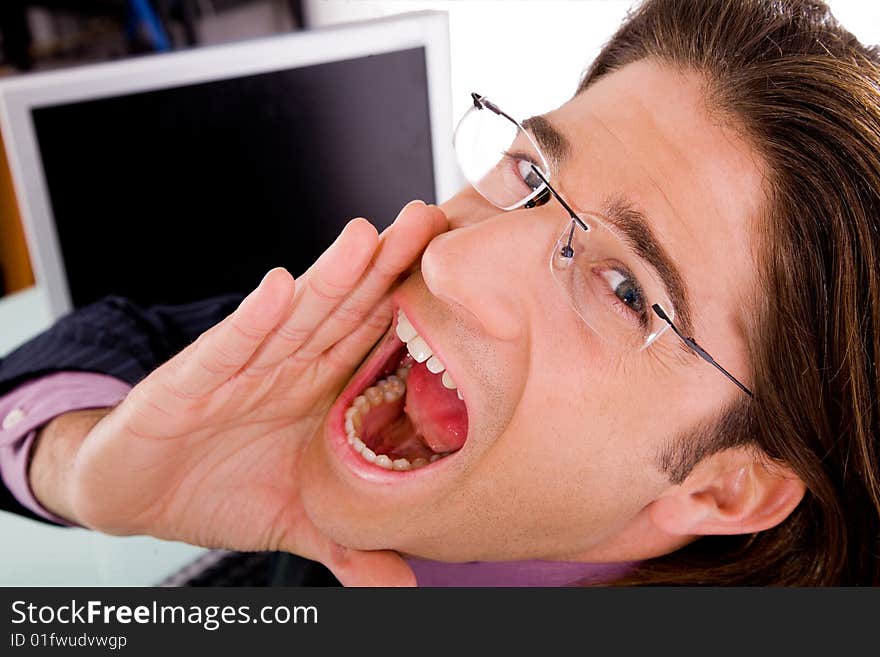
[(319, 291), (346, 354), (219, 353), (379, 568), (351, 567), (400, 247)]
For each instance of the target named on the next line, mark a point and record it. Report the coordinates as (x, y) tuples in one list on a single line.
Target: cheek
[(564, 479), (590, 442)]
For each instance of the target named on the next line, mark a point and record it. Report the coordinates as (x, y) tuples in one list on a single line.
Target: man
[(531, 390)]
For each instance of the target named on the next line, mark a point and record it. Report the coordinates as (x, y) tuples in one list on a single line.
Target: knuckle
[(246, 333), (258, 371), (293, 334), (351, 311), (301, 358), (377, 321), (388, 270), (326, 290), (217, 361), (340, 361)]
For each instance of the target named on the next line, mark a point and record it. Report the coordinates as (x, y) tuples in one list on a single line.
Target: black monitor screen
[(177, 194)]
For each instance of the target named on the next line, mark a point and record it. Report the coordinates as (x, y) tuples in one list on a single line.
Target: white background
[(528, 55)]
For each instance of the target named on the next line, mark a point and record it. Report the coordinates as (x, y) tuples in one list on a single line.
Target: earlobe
[(732, 492)]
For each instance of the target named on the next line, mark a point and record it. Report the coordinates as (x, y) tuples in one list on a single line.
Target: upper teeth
[(421, 352)]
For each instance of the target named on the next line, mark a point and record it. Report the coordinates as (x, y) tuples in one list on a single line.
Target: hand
[(206, 449)]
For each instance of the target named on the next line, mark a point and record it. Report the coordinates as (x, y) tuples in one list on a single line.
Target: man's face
[(562, 431)]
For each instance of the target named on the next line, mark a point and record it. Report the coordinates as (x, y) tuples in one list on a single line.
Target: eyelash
[(639, 314), (513, 158)]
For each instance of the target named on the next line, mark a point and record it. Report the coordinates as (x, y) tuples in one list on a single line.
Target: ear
[(737, 491)]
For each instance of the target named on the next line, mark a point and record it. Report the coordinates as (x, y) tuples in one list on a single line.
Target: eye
[(528, 176), (626, 292), (518, 177)]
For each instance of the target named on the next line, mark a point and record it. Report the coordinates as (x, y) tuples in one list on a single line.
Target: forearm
[(53, 457), (27, 412)]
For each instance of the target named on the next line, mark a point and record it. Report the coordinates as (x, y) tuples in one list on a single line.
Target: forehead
[(645, 132)]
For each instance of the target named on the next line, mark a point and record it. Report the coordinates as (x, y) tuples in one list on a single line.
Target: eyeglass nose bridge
[(571, 213), (567, 251)]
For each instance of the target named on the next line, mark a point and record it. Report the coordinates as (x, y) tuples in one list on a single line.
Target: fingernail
[(410, 205), (266, 276)]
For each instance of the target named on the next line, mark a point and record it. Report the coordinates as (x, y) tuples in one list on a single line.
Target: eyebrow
[(634, 227), (553, 143), (627, 219)]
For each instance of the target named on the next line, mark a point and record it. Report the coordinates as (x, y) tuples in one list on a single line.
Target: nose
[(492, 268)]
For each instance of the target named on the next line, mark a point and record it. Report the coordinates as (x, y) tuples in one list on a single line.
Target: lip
[(335, 433)]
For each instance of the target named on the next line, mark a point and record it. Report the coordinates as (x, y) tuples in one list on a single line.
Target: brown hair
[(806, 94)]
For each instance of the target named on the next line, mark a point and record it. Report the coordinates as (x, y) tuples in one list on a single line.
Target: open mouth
[(411, 413)]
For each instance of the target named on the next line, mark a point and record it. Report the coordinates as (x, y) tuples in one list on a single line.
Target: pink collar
[(515, 573)]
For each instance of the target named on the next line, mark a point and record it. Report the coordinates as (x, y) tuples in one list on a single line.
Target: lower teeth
[(388, 390)]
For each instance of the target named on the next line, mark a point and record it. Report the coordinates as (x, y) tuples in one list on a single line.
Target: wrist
[(53, 456)]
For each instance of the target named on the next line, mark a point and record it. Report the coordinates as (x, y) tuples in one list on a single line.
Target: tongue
[(437, 414)]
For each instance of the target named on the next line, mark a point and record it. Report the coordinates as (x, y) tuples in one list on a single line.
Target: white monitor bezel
[(19, 96)]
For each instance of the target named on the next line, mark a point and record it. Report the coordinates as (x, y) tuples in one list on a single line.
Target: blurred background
[(527, 55)]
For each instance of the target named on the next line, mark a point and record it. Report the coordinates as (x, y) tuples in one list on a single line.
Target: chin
[(424, 524)]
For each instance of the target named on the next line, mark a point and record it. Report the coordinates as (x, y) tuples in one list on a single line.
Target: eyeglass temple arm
[(556, 195), (702, 353), (481, 102)]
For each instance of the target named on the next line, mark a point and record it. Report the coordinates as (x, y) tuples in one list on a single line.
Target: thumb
[(373, 568)]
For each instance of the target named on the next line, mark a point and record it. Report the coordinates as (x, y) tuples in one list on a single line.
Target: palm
[(205, 450), (217, 470)]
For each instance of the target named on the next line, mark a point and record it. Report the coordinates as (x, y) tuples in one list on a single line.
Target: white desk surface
[(36, 554)]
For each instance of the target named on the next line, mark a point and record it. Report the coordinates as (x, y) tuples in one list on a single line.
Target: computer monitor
[(174, 177)]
